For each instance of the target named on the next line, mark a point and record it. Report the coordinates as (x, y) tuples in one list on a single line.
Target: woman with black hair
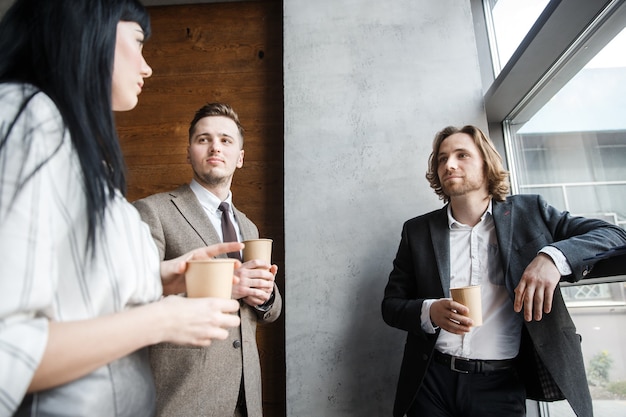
[(80, 280)]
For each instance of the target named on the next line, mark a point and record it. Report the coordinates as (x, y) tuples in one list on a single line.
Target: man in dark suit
[(518, 249), (223, 379)]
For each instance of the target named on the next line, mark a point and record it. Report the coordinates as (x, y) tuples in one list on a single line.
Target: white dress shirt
[(210, 203), (475, 260)]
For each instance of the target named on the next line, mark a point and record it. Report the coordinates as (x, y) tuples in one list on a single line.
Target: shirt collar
[(453, 222), (207, 199)]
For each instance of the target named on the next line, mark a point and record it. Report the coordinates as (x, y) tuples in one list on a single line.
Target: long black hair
[(66, 49)]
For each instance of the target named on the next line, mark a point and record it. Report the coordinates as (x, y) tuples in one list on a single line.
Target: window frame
[(560, 43)]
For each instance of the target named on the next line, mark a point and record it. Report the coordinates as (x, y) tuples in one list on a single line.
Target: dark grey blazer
[(551, 361), (193, 381)]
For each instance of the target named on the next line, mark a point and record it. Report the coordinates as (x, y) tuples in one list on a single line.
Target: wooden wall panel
[(230, 52)]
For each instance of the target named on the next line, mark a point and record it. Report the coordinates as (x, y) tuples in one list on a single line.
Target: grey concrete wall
[(367, 85)]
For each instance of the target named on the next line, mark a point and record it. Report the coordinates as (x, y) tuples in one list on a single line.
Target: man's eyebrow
[(221, 134), (457, 150)]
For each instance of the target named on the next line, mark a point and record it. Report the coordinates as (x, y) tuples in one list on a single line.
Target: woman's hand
[(76, 348), (197, 321)]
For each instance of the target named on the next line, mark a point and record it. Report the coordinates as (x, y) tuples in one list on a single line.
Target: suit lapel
[(440, 235), (244, 226), (189, 207), (503, 219)]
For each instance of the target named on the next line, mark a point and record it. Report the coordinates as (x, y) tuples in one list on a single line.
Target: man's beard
[(213, 180), (457, 190)]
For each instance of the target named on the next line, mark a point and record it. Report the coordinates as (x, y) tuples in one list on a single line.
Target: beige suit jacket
[(194, 381)]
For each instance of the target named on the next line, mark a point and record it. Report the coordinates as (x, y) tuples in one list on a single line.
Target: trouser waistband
[(472, 366)]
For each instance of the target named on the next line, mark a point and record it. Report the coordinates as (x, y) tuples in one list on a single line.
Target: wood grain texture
[(229, 52)]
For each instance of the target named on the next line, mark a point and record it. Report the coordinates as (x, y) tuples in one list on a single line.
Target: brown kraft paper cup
[(258, 249), (470, 297), (210, 278)]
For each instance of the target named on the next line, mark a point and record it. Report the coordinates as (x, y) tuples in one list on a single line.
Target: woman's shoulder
[(31, 127), (18, 98), (25, 109), (12, 93)]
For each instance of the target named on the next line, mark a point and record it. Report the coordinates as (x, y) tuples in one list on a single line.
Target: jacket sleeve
[(270, 311), (579, 238), (404, 295), (150, 216)]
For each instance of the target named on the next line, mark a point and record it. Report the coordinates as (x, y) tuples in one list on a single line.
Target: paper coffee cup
[(258, 249), (470, 298), (210, 278)]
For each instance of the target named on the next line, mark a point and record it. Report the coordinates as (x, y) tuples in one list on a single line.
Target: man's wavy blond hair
[(497, 177)]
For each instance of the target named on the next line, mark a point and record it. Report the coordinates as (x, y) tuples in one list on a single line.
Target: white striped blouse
[(45, 272)]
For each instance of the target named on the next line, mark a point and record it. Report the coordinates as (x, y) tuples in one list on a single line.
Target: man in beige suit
[(223, 379)]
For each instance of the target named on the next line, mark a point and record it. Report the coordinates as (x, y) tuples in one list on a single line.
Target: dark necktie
[(228, 230)]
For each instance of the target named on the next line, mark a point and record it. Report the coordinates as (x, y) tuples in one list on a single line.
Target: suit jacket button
[(237, 344), (424, 357)]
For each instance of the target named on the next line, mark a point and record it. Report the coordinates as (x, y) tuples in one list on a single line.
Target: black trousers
[(447, 393)]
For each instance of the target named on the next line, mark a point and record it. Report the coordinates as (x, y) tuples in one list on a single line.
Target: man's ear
[(240, 160)]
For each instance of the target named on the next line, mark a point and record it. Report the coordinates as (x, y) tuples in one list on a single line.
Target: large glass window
[(511, 21), (571, 148)]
